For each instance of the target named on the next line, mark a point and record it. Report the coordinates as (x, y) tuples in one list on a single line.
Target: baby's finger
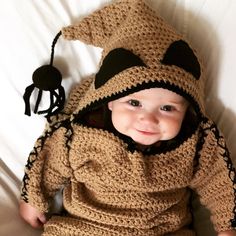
[(36, 223), (42, 218)]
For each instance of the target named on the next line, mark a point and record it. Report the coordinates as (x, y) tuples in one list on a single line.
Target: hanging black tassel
[(46, 78)]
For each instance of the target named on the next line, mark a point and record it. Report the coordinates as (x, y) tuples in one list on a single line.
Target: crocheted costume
[(110, 187)]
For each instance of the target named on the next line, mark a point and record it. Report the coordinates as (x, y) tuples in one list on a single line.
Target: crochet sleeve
[(47, 169), (214, 178)]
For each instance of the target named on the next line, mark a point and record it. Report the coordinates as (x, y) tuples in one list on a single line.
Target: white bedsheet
[(27, 30)]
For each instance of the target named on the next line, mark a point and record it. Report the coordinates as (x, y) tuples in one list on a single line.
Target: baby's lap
[(68, 226)]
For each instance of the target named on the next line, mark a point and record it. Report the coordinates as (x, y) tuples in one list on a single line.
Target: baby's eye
[(167, 108), (134, 103)]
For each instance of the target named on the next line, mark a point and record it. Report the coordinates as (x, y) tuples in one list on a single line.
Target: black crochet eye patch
[(180, 54), (116, 61)]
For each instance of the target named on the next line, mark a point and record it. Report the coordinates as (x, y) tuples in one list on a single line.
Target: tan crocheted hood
[(140, 50)]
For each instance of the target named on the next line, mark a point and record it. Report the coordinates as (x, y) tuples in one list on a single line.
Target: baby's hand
[(227, 233), (31, 215)]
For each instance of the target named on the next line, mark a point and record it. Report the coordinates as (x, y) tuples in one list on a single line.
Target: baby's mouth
[(144, 132)]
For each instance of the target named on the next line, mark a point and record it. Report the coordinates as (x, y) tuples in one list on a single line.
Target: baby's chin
[(146, 143), (153, 142)]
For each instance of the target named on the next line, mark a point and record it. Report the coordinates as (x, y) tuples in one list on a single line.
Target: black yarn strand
[(53, 47)]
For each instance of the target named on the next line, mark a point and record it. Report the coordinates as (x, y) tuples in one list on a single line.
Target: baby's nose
[(149, 118)]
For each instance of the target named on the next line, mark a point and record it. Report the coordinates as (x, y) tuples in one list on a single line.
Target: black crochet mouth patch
[(180, 54), (115, 62)]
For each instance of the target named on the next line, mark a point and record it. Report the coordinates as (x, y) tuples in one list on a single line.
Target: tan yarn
[(108, 188), (133, 25), (111, 191)]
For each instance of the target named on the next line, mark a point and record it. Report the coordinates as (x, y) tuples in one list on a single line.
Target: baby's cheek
[(172, 129)]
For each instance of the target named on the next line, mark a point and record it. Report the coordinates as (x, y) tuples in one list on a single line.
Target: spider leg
[(62, 98), (57, 105), (26, 97), (38, 100), (51, 104)]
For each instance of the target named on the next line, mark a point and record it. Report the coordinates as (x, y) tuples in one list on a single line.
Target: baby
[(133, 141)]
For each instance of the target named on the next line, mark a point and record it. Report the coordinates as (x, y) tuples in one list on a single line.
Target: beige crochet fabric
[(132, 25), (110, 187)]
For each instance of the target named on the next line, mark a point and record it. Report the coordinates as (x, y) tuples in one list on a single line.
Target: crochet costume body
[(110, 187)]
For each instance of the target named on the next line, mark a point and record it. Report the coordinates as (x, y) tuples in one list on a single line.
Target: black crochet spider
[(46, 78)]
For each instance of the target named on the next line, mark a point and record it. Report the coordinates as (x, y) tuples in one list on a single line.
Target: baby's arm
[(46, 172), (214, 179), (227, 233), (31, 215)]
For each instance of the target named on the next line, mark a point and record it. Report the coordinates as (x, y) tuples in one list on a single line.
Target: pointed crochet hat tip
[(140, 50), (97, 28)]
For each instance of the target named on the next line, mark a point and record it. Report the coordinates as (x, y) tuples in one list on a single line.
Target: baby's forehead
[(157, 93)]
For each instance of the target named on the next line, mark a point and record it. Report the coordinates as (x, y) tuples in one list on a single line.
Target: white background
[(27, 30)]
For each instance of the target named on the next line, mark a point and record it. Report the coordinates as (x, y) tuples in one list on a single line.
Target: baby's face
[(149, 115)]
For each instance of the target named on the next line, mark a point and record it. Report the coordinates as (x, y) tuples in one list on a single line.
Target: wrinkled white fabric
[(27, 31)]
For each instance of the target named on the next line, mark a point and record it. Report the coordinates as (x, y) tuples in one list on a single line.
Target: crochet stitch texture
[(109, 188)]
